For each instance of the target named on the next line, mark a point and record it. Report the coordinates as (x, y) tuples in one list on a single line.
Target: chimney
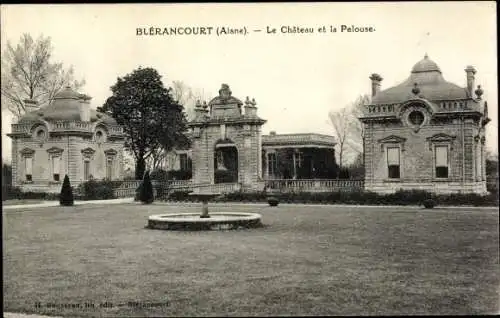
[(272, 133), (470, 71), (84, 107), (30, 105), (376, 79)]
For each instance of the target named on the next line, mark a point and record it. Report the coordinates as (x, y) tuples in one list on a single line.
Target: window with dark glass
[(393, 163), (109, 168), (184, 162), (416, 118), (441, 161), (29, 168), (272, 164), (56, 164), (86, 170)]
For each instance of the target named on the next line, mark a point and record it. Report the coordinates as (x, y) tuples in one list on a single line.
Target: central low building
[(227, 146)]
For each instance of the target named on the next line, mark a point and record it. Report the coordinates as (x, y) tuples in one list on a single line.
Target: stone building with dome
[(426, 133), (65, 137)]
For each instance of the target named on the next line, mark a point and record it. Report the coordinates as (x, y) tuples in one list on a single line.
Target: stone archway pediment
[(110, 152), (392, 139), (55, 150), (27, 152), (88, 152), (441, 137)]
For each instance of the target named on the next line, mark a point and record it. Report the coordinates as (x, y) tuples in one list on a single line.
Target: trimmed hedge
[(15, 193), (403, 197), (97, 190)]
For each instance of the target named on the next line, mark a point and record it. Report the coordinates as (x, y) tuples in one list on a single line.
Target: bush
[(146, 193), (223, 176), (273, 201), (429, 204), (98, 190), (179, 196), (401, 197), (66, 196)]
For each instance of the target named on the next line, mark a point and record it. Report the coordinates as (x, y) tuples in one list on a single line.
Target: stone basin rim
[(214, 217)]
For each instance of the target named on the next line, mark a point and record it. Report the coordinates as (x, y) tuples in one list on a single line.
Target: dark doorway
[(226, 164)]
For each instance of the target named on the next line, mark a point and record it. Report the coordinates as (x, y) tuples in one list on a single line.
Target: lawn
[(22, 202), (324, 260)]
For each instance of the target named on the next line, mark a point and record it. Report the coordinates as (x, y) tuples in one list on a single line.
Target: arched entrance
[(225, 163)]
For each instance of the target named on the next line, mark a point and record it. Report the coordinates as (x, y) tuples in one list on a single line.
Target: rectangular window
[(56, 164), (86, 170), (28, 168), (441, 162), (272, 164), (183, 162), (393, 163), (299, 159), (109, 168)]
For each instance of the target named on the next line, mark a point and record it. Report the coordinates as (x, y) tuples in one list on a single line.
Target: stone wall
[(417, 158), (246, 140), (71, 161)]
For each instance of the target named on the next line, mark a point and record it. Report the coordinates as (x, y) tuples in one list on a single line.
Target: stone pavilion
[(426, 133), (65, 137)]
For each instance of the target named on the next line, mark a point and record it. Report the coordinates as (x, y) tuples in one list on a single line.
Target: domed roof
[(425, 65), (66, 106), (430, 82)]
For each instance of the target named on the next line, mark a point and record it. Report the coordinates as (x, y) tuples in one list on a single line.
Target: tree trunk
[(140, 168)]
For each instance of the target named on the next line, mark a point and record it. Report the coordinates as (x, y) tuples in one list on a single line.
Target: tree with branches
[(340, 123), (187, 96), (348, 130), (151, 118), (28, 72)]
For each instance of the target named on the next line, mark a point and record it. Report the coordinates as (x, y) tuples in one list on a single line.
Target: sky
[(295, 78)]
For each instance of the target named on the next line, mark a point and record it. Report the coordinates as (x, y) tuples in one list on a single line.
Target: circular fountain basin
[(193, 222)]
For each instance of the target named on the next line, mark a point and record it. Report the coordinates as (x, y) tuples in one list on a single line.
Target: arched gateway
[(226, 141)]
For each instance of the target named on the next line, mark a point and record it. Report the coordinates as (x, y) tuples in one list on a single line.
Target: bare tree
[(349, 131), (356, 129), (28, 73), (187, 96), (340, 123)]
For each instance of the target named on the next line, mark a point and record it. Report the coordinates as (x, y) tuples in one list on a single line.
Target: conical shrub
[(66, 196), (146, 194)]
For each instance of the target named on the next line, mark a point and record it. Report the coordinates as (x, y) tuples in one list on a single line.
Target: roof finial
[(426, 56)]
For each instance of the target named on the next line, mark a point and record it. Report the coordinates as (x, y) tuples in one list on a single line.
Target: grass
[(24, 201), (325, 260)]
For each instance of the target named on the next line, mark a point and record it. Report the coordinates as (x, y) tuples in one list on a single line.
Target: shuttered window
[(441, 154), (29, 168), (393, 164), (56, 166)]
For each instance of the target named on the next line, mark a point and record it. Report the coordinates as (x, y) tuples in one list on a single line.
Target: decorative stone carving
[(27, 152), (88, 152), (393, 139), (55, 151), (441, 138)]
